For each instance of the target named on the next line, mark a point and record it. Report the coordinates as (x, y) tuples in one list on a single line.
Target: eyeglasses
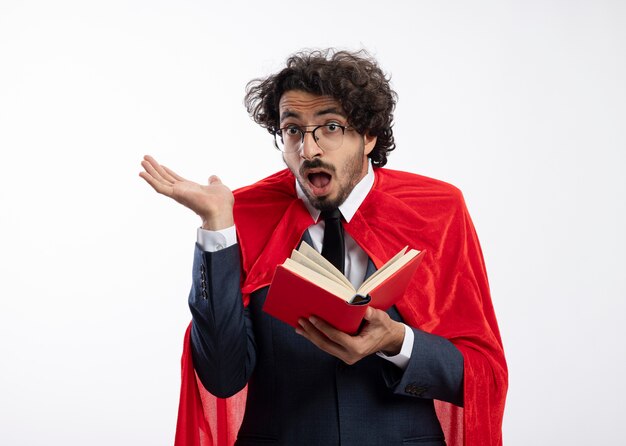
[(327, 136)]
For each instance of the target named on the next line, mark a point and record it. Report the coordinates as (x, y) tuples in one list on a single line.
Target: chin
[(326, 202), (325, 205)]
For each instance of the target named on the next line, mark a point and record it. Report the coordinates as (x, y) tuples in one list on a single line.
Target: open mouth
[(319, 179), (320, 182)]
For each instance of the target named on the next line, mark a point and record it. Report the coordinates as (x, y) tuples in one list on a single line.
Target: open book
[(307, 284)]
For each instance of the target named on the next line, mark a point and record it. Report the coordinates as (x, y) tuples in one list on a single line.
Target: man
[(331, 116)]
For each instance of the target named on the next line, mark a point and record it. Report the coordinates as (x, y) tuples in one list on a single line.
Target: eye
[(291, 130), (332, 127)]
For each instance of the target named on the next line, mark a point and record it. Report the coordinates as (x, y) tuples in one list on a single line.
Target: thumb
[(370, 314), (214, 179)]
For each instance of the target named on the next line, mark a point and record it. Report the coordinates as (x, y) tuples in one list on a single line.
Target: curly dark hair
[(352, 78)]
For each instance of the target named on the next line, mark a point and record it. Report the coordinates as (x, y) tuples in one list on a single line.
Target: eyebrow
[(326, 111)]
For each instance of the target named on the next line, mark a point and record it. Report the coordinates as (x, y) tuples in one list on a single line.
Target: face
[(326, 177)]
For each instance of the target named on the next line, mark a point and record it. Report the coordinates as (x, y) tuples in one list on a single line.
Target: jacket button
[(415, 390)]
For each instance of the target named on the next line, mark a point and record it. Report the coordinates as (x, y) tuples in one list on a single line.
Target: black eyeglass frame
[(278, 134)]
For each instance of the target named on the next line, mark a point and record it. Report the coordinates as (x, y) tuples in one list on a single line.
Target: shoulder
[(415, 188), (261, 205), (276, 186)]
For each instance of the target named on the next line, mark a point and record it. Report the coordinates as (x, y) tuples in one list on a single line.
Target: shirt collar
[(349, 207)]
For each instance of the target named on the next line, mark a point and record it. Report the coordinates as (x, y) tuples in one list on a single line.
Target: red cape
[(449, 295)]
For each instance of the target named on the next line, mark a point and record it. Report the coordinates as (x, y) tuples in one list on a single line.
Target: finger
[(162, 170), (158, 168), (370, 314), (309, 331), (150, 160), (149, 167), (214, 179), (375, 317), (337, 336), (347, 354), (164, 173), (173, 174), (158, 186)]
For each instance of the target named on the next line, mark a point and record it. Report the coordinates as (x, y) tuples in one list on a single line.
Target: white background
[(522, 104)]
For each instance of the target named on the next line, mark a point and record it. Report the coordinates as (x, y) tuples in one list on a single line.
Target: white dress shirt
[(356, 259)]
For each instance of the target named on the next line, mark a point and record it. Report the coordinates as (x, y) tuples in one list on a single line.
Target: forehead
[(298, 103)]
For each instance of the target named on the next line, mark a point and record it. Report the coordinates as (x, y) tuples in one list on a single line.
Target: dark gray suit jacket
[(300, 395)]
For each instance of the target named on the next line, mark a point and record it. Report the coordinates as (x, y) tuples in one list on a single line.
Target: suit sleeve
[(222, 339), (434, 371)]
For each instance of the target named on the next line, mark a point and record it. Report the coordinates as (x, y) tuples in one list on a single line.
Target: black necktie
[(333, 248)]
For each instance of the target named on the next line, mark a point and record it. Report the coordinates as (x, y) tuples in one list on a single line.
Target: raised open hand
[(212, 202)]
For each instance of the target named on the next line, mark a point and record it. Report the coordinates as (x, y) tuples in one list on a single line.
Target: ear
[(369, 142)]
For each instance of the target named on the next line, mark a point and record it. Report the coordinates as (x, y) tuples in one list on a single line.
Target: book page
[(387, 270), (383, 268), (298, 257), (320, 280), (311, 254)]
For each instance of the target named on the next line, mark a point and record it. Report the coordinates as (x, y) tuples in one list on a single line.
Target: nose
[(309, 148)]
